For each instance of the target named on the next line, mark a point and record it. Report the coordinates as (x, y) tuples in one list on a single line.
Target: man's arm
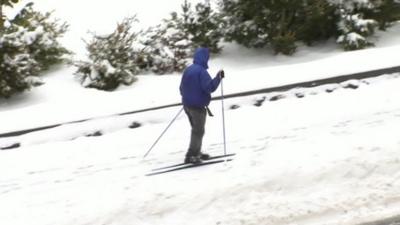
[(207, 84)]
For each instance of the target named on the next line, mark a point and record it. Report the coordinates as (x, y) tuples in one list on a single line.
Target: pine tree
[(28, 45), (353, 26), (113, 59), (170, 45), (318, 23), (385, 12), (167, 46), (355, 31), (281, 24), (247, 22), (204, 25), (18, 69), (44, 45), (258, 23)]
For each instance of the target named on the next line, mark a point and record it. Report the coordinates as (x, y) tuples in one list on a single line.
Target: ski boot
[(193, 160), (204, 156)]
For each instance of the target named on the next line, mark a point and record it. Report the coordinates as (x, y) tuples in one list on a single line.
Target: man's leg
[(197, 118)]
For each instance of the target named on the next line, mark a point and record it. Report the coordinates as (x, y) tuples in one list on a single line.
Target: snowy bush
[(204, 25), (284, 44), (355, 31), (43, 42), (387, 12), (28, 45), (353, 41), (247, 24), (113, 59), (279, 24), (358, 19), (318, 23), (17, 68), (167, 46), (170, 45), (384, 12)]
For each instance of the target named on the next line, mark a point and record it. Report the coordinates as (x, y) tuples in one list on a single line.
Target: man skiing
[(196, 88)]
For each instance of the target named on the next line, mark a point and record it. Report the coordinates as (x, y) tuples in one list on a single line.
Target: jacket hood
[(201, 57)]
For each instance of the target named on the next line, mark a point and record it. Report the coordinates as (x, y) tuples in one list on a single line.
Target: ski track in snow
[(330, 169)]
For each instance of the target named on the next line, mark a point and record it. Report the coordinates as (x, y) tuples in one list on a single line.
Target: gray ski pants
[(197, 119)]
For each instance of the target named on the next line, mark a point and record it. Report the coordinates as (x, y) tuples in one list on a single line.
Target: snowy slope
[(323, 159), (327, 158)]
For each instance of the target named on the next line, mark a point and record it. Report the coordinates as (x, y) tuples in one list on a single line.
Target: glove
[(221, 74)]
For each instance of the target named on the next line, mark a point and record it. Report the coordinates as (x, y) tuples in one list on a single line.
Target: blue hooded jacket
[(196, 84)]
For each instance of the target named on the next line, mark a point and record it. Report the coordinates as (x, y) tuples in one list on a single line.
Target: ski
[(188, 166), (182, 164)]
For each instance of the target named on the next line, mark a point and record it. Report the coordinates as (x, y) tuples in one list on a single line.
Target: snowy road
[(326, 158)]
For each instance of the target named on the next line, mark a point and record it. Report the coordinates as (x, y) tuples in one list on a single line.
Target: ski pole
[(223, 115), (162, 134)]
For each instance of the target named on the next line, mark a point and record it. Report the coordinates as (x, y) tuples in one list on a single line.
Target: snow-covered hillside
[(323, 159), (330, 157)]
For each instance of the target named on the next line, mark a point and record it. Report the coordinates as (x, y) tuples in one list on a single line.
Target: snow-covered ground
[(246, 69), (326, 158)]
